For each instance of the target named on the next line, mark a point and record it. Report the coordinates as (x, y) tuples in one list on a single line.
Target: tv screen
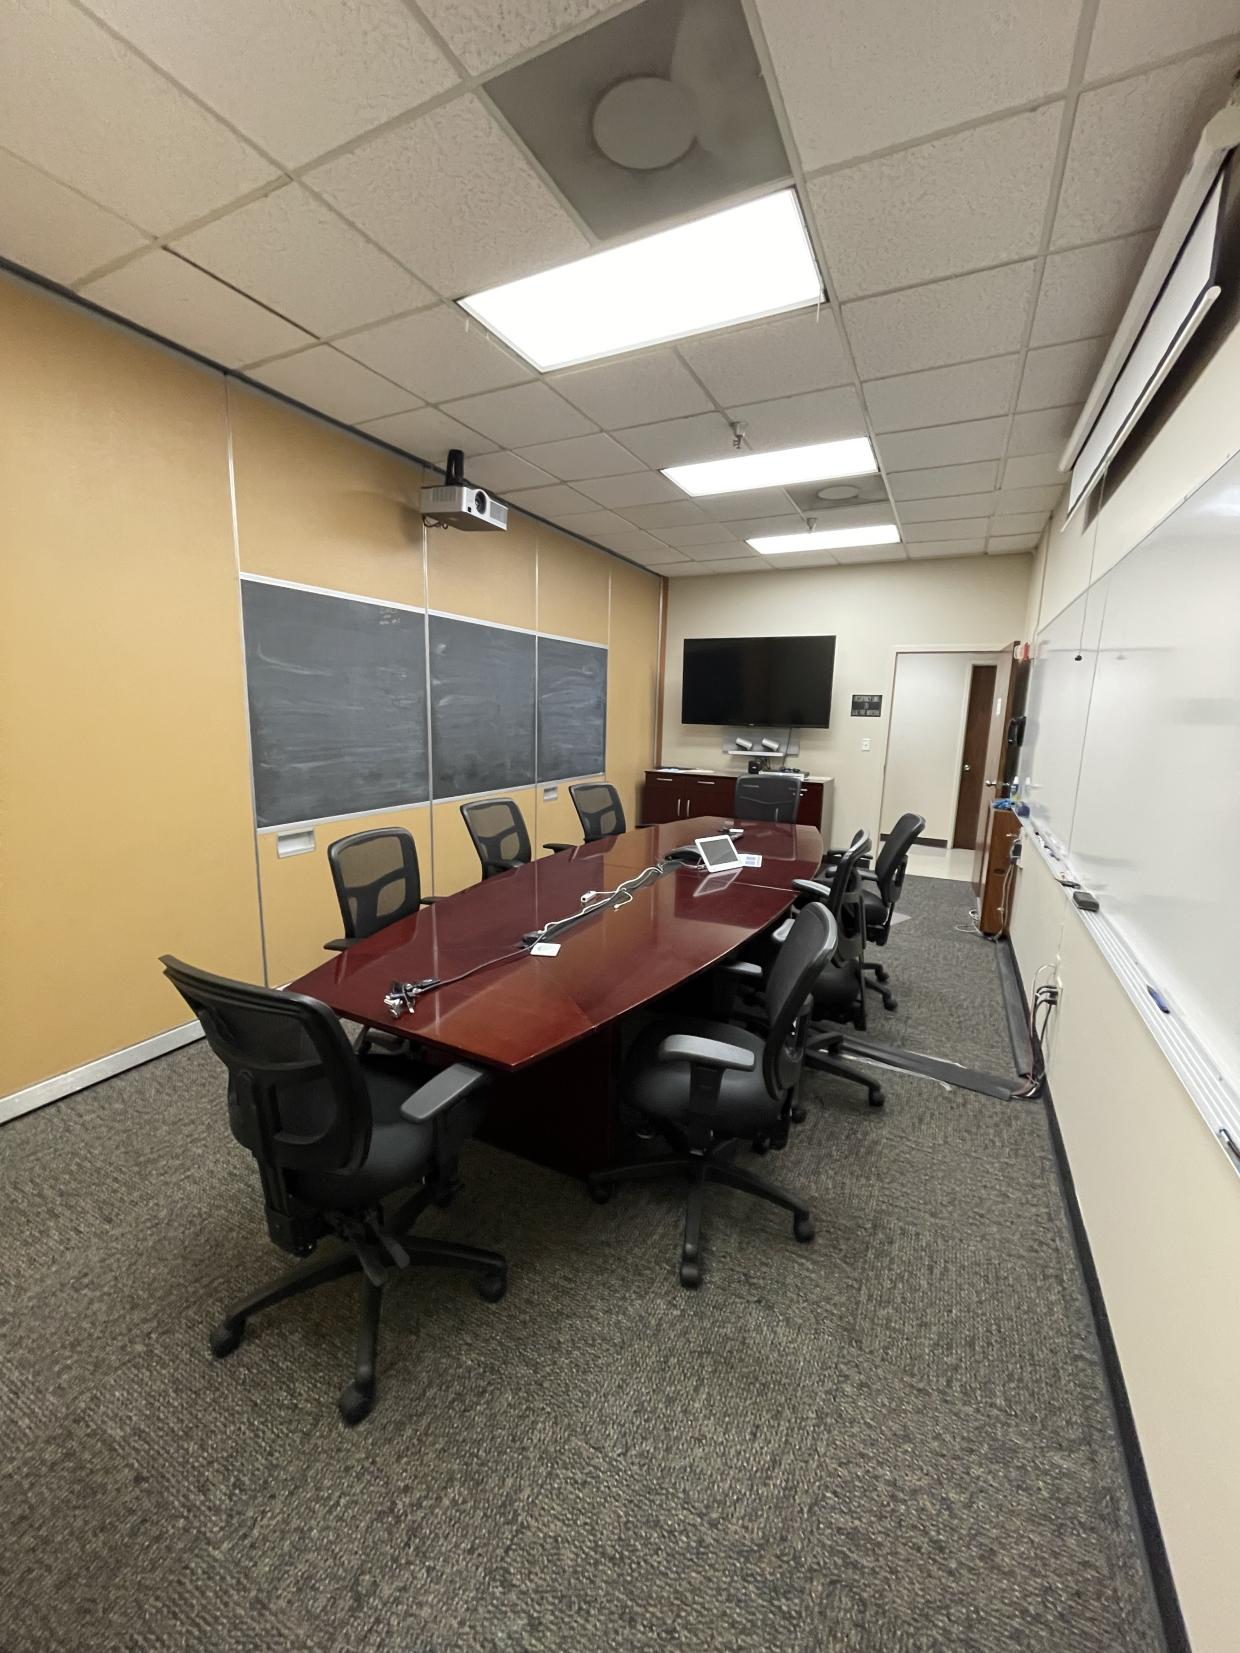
[(758, 680)]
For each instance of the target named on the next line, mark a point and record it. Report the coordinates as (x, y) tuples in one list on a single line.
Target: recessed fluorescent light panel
[(748, 261), (817, 463), (826, 539)]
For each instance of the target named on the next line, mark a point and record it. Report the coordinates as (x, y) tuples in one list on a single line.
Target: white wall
[(925, 750), (874, 610), (1160, 1205)]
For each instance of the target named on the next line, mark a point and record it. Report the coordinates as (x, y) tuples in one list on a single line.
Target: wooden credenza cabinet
[(679, 794)]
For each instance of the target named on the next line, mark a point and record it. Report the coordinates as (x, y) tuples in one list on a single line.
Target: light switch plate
[(550, 794), (294, 843)]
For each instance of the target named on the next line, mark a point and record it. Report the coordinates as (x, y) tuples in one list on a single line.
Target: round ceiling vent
[(838, 492), (645, 123)]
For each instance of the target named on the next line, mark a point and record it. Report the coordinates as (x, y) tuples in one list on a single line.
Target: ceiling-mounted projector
[(454, 503)]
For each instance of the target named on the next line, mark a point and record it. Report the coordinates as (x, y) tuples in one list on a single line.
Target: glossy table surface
[(520, 1008)]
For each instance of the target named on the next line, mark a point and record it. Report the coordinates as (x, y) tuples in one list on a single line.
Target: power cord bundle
[(1045, 998)]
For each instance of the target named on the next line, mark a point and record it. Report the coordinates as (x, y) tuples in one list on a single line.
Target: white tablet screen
[(717, 853)]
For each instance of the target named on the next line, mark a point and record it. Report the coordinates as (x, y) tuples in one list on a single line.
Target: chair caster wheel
[(877, 1099), (690, 1275), (443, 1196), (803, 1228), (761, 1144), (492, 1286), (225, 1338), (890, 1003), (355, 1404), (799, 1114), (599, 1192)]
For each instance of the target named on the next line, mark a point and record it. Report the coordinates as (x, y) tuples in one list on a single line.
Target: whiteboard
[(1150, 823)]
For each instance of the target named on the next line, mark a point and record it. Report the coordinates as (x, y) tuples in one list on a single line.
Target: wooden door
[(1008, 680), (978, 718)]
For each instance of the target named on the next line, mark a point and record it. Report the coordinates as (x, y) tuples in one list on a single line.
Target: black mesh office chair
[(766, 798), (709, 1084), (598, 809), (335, 1138), (497, 829), (377, 881), (881, 890)]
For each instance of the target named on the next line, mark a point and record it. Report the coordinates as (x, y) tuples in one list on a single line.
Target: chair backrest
[(810, 946), (892, 861), (498, 831), (767, 797), (377, 879), (846, 880), (297, 1098), (598, 809)]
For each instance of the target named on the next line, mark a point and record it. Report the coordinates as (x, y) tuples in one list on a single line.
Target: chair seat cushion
[(400, 1153), (661, 1089), (835, 993), (875, 911)]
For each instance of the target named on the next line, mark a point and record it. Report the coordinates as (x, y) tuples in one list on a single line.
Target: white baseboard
[(77, 1079)]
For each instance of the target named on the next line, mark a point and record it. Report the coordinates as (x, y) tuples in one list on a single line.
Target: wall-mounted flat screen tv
[(758, 680)]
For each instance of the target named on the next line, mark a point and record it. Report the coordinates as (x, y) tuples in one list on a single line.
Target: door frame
[(990, 651)]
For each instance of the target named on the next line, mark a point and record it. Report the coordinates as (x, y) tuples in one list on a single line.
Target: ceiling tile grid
[(982, 180)]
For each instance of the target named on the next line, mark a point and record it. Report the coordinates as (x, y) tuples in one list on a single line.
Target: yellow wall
[(127, 826), (1159, 1202)]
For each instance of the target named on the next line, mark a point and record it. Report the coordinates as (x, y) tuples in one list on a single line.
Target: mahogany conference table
[(549, 1027)]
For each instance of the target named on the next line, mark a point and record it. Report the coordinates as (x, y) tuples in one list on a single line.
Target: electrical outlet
[(865, 743)]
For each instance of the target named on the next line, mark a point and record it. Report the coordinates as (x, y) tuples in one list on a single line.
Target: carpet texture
[(895, 1440)]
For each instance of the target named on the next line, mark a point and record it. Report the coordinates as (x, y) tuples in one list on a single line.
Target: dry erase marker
[(1158, 999)]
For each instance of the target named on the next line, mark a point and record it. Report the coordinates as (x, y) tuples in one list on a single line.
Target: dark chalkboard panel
[(572, 709), (482, 707), (337, 692)]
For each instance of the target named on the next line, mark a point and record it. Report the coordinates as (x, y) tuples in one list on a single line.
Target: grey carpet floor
[(895, 1440)]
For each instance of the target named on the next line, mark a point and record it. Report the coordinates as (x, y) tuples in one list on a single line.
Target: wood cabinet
[(998, 881), (678, 795)]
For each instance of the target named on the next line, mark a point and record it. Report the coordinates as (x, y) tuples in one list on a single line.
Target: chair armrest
[(706, 1053), (505, 866), (340, 945), (782, 931), (558, 847), (727, 981), (810, 887), (428, 900), (443, 1091)]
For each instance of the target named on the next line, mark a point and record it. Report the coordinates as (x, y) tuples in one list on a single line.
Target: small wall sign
[(867, 705)]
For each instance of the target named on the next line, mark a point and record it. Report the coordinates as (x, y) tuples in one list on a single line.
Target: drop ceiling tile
[(752, 502), (696, 535), (758, 565), (793, 421), (1032, 471), (766, 359), (52, 230), (428, 434), (1058, 374), (1043, 431), (501, 471), (160, 291), (723, 551), (453, 198), (857, 77), (1084, 292), (484, 33), (299, 77), (1028, 499), (519, 416), (439, 353), (655, 385), (847, 554), (637, 488), (1019, 522), (756, 526), (556, 499), (295, 255), (951, 505), (955, 529), (644, 547), (936, 482), (998, 544), (593, 524), (973, 390), (1129, 33), (677, 513), (582, 457), (1130, 144), (324, 379), (946, 321), (943, 444), (679, 441), (947, 548), (960, 203), (848, 516), (87, 109)]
